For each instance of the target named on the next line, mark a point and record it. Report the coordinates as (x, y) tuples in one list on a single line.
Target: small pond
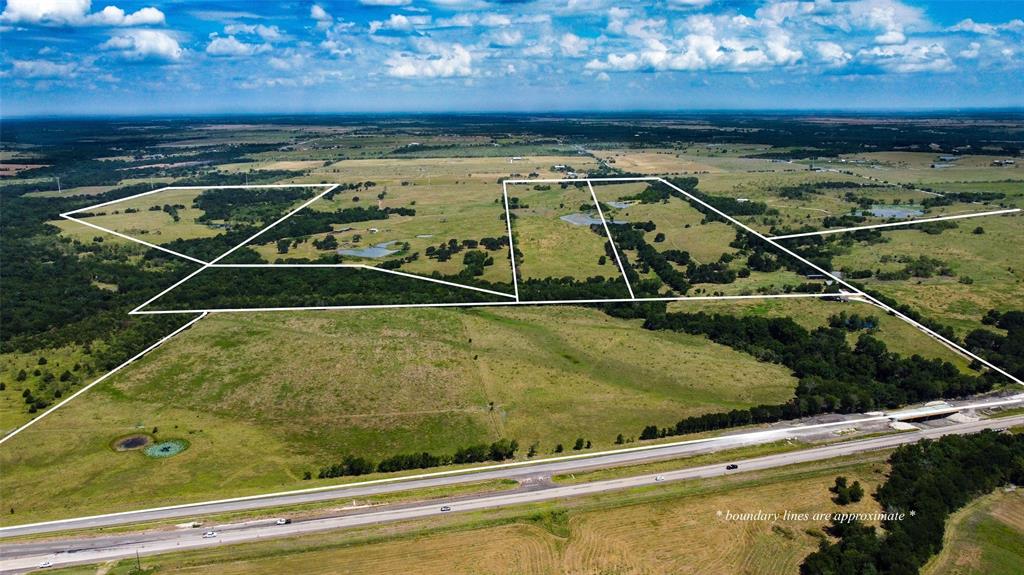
[(130, 442), (581, 219), (891, 212), (168, 448), (375, 251)]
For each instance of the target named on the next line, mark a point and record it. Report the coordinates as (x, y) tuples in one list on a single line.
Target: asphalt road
[(515, 471), (23, 557)]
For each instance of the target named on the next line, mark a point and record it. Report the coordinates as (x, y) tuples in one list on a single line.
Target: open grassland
[(154, 226), (685, 228), (673, 528), (445, 170), (550, 246), (263, 398), (144, 218), (292, 165), (70, 360), (898, 336), (984, 538), (462, 211), (916, 167), (989, 260)]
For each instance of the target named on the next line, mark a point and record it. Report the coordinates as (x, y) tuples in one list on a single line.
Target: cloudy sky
[(71, 57)]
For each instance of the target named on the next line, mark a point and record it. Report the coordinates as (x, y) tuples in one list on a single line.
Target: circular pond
[(168, 448), (131, 442)]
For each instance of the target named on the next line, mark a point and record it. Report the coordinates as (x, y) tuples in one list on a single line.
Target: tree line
[(499, 450), (927, 482)]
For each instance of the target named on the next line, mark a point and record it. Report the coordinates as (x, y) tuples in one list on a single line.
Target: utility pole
[(58, 184)]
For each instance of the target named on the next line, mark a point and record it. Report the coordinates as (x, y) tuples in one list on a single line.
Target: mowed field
[(674, 528), (263, 398), (990, 260), (984, 538)]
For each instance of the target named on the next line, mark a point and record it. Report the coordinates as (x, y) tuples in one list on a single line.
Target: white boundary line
[(511, 245), (70, 215), (130, 238), (870, 299), (329, 187), (611, 240), (895, 224), (103, 377), (771, 241), (497, 466), (507, 303), (366, 267), (230, 251)]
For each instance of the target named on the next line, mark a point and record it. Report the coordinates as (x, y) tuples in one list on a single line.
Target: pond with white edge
[(375, 251)]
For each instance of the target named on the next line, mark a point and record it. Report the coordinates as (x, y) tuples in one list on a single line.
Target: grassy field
[(916, 168), (996, 271), (898, 336), (984, 538), (263, 398), (133, 217), (460, 211), (71, 359), (673, 528), (550, 246)]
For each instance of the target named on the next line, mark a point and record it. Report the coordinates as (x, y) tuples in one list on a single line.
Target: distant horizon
[(983, 110)]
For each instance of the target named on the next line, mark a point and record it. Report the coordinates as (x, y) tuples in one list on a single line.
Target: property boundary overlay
[(327, 189)]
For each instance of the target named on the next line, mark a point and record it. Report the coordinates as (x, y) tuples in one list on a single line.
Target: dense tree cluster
[(928, 481), (833, 377), (351, 465), (251, 205), (853, 321), (1006, 351), (291, 287)]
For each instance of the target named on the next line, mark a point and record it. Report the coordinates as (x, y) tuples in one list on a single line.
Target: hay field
[(264, 397), (986, 537)]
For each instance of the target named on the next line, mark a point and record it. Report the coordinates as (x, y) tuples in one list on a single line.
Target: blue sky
[(68, 57)]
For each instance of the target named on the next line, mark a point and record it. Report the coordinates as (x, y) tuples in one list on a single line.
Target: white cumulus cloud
[(232, 47), (75, 13), (572, 45), (440, 62), (144, 44)]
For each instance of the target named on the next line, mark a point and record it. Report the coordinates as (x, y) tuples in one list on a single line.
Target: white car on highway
[(209, 535)]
